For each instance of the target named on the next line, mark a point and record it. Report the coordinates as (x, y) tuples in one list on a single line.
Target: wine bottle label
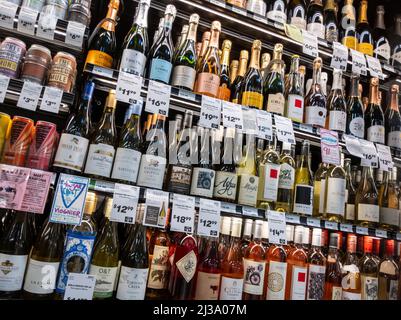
[(207, 286), (126, 165), (254, 276), (295, 107), (248, 190), (350, 214), (180, 179), (316, 281), (160, 70), (383, 51), (389, 216), (394, 139), (100, 160), (225, 185), (376, 134), (318, 29), (370, 288), (276, 280), (41, 277), (366, 48), (257, 6), (99, 58), (224, 93), (271, 174), (299, 22), (184, 76), (303, 200), (337, 120), (133, 61), (275, 103), (396, 57), (357, 127), (351, 296), (187, 265), (287, 177), (252, 99), (337, 293), (276, 15), (106, 277), (202, 182), (393, 290), (368, 212), (231, 288), (159, 268), (151, 171), (315, 115), (335, 196), (12, 270), (298, 283), (350, 42), (71, 152), (208, 84), (331, 32), (132, 283)]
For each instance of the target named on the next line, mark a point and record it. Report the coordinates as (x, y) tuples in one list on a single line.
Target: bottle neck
[(374, 94), (214, 39), (380, 24), (337, 82), (394, 101), (242, 67), (397, 28), (107, 119), (225, 57), (141, 18), (329, 5), (110, 20), (317, 76), (363, 12), (255, 58), (205, 45), (168, 24), (354, 88), (193, 27)]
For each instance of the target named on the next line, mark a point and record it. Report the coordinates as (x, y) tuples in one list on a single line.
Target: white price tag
[(381, 233), (292, 218), (353, 145), (29, 96), (312, 222), (385, 158), (228, 207), (183, 214), (265, 124), (329, 147), (128, 87), (8, 10), (26, 20), (209, 218), (331, 225), (46, 26), (277, 226), (158, 99), (362, 230), (260, 18), (239, 10), (75, 34), (358, 63), (103, 186), (306, 128), (218, 3), (375, 68), (346, 227), (340, 56), (210, 116), (285, 129), (250, 212), (80, 286), (104, 72), (4, 81), (156, 208), (232, 116), (185, 94), (310, 47), (369, 154), (125, 202), (51, 100), (249, 116)]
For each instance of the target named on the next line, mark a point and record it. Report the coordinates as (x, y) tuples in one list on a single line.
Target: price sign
[(4, 81), (285, 129), (210, 116), (339, 59), (331, 225), (125, 202), (265, 125), (293, 32), (156, 208), (250, 212), (310, 47), (346, 227), (277, 226), (51, 100), (329, 146), (375, 68), (249, 116), (183, 214), (381, 233), (362, 230), (8, 10), (209, 218), (353, 145), (46, 26), (128, 87), (358, 63), (158, 99), (29, 96), (369, 154), (385, 159), (232, 116), (26, 20), (80, 286), (75, 34), (239, 10), (312, 222)]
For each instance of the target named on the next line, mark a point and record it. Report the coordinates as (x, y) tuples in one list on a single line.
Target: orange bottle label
[(207, 84), (366, 48), (224, 93), (252, 99), (350, 42), (99, 58)]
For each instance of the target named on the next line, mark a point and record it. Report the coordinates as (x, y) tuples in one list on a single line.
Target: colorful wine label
[(224, 93), (298, 284), (202, 182), (254, 276), (180, 179), (160, 70), (208, 84), (159, 268), (366, 48), (350, 42), (316, 281), (276, 280), (71, 152), (295, 108), (99, 58), (252, 99), (106, 277), (225, 185)]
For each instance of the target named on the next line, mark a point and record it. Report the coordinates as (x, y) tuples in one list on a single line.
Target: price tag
[(8, 10), (331, 225), (250, 212), (312, 222), (75, 34), (228, 207), (185, 94), (346, 227), (51, 100), (292, 218), (375, 68), (358, 63), (29, 96), (46, 26), (108, 73), (265, 125), (249, 116), (156, 208), (329, 147), (209, 218), (277, 226), (125, 202), (353, 145), (218, 3), (4, 81), (293, 32), (260, 18), (80, 286), (158, 99), (310, 47), (381, 233), (388, 68), (210, 116), (306, 128), (232, 116), (369, 154), (26, 20), (102, 186), (340, 56), (183, 214), (385, 159), (285, 129), (128, 87), (362, 230), (239, 10)]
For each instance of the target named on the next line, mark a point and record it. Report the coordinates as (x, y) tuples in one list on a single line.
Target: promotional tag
[(285, 129), (156, 207), (210, 115), (277, 226), (125, 202), (36, 191), (51, 100), (183, 214), (129, 87), (29, 96), (13, 182), (158, 99), (329, 147), (209, 218)]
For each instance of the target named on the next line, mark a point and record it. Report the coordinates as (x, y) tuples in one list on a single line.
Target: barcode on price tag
[(125, 202), (158, 99), (353, 145), (210, 116), (156, 208), (310, 47), (369, 154), (209, 218), (285, 129), (8, 10), (46, 26), (329, 147), (75, 34), (26, 20), (4, 81), (29, 96), (375, 68), (358, 63), (128, 87), (51, 100), (277, 226), (265, 124), (183, 214), (232, 116), (340, 56), (249, 116)]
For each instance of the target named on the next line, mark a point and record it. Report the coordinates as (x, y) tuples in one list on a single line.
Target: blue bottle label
[(160, 70)]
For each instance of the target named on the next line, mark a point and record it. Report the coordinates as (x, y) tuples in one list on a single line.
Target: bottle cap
[(111, 100), (244, 55), (265, 230), (380, 9), (289, 233), (108, 206), (351, 243), (257, 229), (90, 203), (227, 45), (257, 45), (306, 236), (147, 2), (170, 9), (395, 88), (194, 18), (225, 225), (278, 47), (317, 63), (248, 227), (236, 227), (216, 26)]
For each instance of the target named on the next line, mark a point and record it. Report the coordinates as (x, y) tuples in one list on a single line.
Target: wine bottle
[(348, 24), (365, 39), (276, 275), (136, 43), (337, 106), (315, 19), (184, 72), (296, 13), (333, 288), (257, 6), (237, 84), (388, 201), (181, 39), (351, 279), (393, 122), (286, 180), (369, 269), (265, 240), (374, 118), (205, 44), (319, 189), (355, 114), (158, 32), (389, 273), (381, 42), (349, 193), (396, 44), (316, 268), (277, 11), (102, 43), (224, 238), (224, 91), (264, 65), (330, 21), (294, 107), (233, 72)]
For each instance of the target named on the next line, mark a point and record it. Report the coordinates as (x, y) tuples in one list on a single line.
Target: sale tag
[(312, 222), (232, 116), (249, 116), (310, 47), (4, 81), (183, 214), (13, 183), (353, 145), (358, 63), (8, 10), (75, 34), (340, 57), (250, 212), (265, 125), (210, 115), (329, 147), (293, 32), (385, 158), (27, 20), (158, 99), (285, 129), (369, 154), (375, 68), (156, 208), (277, 226), (36, 191), (128, 87), (51, 100), (29, 96), (292, 218), (80, 286), (381, 233), (125, 202), (209, 218), (346, 227), (46, 26), (362, 230), (331, 225)]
